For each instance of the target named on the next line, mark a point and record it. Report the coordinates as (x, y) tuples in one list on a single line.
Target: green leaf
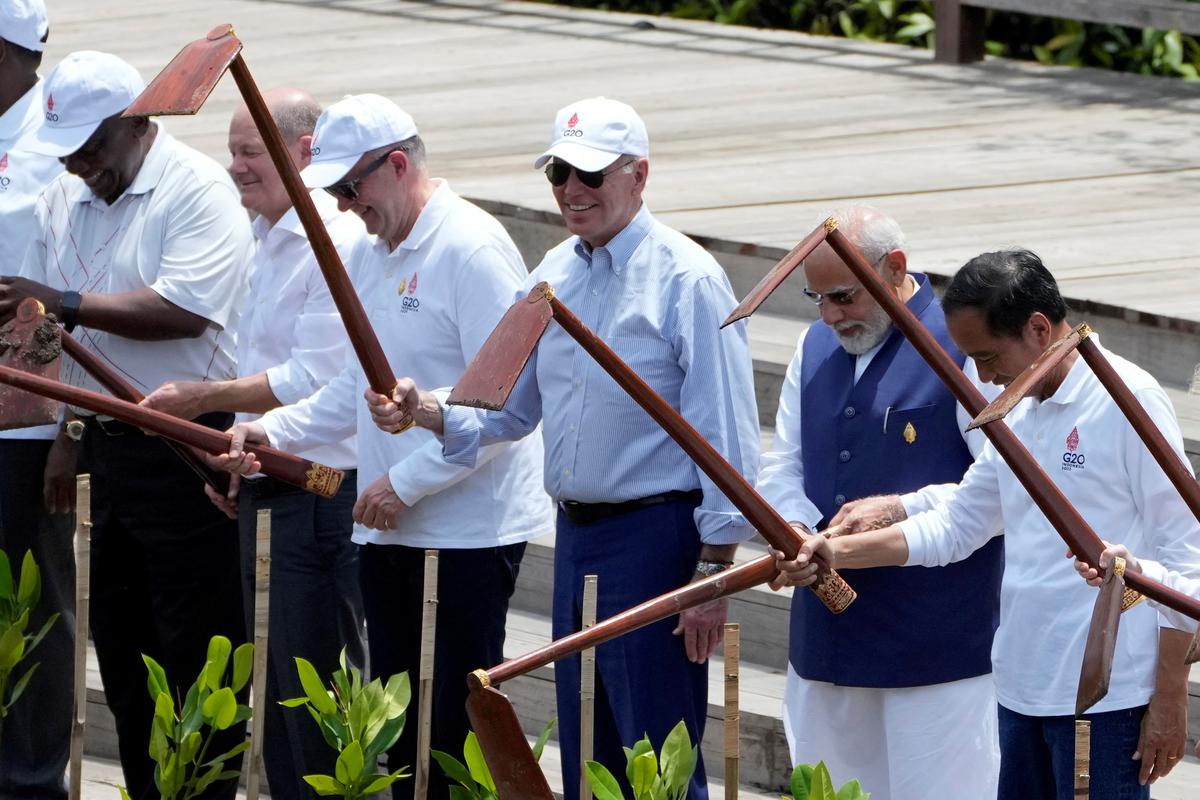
[(473, 755), (124, 793), (603, 784), (644, 772), (6, 581), (640, 747), (220, 708), (381, 783), (398, 693), (455, 770), (383, 739), (232, 752), (190, 746), (243, 665), (19, 687), (164, 711), (12, 648), (543, 737), (822, 784), (208, 778), (295, 702), (37, 639), (324, 785), (349, 767), (852, 791), (219, 648), (156, 678), (801, 780), (159, 747), (29, 592), (678, 759), (317, 695)]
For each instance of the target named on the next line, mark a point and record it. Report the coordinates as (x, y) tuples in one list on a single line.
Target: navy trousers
[(1037, 756), (644, 682), (36, 740), (315, 611), (474, 587)]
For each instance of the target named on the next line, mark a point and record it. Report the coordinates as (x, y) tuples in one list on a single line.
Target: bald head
[(295, 113)]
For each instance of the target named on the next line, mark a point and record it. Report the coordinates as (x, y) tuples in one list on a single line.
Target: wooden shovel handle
[(308, 475)]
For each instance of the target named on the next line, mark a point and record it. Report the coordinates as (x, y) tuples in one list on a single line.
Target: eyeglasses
[(839, 297), (348, 190), (557, 172)]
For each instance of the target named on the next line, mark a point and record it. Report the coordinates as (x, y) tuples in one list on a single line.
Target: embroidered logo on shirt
[(50, 115), (412, 284), (4, 179), (1073, 459), (403, 283), (409, 301)]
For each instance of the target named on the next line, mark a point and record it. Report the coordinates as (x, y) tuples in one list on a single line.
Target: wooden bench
[(959, 36)]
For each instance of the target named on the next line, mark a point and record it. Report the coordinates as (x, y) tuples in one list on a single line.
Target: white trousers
[(921, 743)]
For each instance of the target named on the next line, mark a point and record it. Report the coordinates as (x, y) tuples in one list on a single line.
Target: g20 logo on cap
[(4, 179), (571, 130), (50, 115)]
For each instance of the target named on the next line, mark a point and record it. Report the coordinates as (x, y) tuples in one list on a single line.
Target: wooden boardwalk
[(755, 135)]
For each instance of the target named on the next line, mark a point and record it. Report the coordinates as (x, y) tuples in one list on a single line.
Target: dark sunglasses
[(840, 297), (348, 190), (557, 172)]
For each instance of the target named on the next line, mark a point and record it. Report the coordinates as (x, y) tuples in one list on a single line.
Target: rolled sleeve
[(781, 479), (960, 525)]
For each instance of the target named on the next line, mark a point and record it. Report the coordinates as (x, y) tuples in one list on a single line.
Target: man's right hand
[(407, 405), (801, 570), (867, 514), (238, 460), (226, 502), (183, 399)]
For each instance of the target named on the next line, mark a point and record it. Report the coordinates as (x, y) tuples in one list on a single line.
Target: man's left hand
[(702, 628), (378, 507), (13, 290), (1164, 736)]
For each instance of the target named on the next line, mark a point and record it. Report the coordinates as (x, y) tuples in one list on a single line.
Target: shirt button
[(579, 382), (572, 428), (566, 473), (595, 292), (840, 500), (849, 412), (844, 456)]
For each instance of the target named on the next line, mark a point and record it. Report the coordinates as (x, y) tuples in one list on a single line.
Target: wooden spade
[(505, 749), (1101, 641), (181, 88), (491, 375), (778, 274), (308, 475), (29, 342)]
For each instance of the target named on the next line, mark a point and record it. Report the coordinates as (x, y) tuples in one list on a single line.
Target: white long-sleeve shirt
[(1093, 455), (1172, 580), (432, 301)]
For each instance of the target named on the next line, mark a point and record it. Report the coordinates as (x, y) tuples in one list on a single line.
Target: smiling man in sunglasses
[(632, 508), (901, 681)]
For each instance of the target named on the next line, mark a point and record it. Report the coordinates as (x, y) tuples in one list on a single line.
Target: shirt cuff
[(275, 431), (286, 390), (460, 435), (916, 543), (722, 528)]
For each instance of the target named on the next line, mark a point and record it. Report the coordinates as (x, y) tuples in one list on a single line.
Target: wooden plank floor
[(755, 135)]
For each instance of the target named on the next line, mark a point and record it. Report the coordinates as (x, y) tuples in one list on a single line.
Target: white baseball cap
[(85, 89), (356, 124), (24, 23), (593, 133)]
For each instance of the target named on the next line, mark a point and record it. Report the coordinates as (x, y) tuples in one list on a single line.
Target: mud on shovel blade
[(185, 84), (29, 342), (514, 769)]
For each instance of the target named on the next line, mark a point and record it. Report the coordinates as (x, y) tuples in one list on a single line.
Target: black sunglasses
[(348, 190), (557, 172)]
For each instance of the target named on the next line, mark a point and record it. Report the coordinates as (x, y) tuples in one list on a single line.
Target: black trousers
[(474, 587), (36, 740), (165, 579)]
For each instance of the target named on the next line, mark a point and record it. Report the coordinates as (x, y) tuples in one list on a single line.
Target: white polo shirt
[(23, 175), (178, 229), (289, 327), (432, 301), (1180, 583), (1093, 455)]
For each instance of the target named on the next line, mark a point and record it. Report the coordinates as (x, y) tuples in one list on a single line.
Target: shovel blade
[(1030, 379), (30, 342), (1193, 652), (493, 372), (185, 83), (505, 748), (1101, 644), (777, 275)]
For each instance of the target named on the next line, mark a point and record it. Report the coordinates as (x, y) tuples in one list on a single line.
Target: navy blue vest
[(910, 626)]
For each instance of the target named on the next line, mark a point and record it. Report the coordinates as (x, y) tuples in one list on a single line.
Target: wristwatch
[(68, 309), (73, 429), (710, 568)]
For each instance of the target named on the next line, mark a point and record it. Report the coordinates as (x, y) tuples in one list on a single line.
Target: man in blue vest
[(897, 690)]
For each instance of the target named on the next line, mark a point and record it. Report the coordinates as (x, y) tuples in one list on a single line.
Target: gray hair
[(873, 232), (296, 119), (413, 147)]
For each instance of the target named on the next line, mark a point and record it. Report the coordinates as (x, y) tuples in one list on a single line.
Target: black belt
[(587, 513)]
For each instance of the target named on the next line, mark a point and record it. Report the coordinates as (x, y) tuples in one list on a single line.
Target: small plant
[(473, 777), (664, 777), (15, 644), (180, 738), (360, 722), (813, 783)]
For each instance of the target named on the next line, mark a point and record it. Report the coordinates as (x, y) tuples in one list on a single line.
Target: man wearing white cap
[(291, 342), (37, 465), (632, 508), (434, 283), (140, 250)]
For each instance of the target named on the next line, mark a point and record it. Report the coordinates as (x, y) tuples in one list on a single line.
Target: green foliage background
[(1048, 40)]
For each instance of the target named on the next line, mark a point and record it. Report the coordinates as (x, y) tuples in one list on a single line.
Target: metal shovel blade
[(1101, 643), (493, 372), (30, 342), (185, 83), (777, 275), (505, 749), (1030, 379)]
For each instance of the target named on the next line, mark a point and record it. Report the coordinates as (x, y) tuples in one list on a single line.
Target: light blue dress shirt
[(657, 299)]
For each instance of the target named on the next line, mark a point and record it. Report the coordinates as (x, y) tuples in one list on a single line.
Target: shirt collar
[(431, 216), (290, 222), (154, 165), (23, 115), (622, 246)]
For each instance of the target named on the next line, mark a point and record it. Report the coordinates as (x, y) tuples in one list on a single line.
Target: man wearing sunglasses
[(901, 681), (434, 279), (632, 508)]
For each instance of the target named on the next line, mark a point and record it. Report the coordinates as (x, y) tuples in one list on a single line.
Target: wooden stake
[(262, 610), (428, 640), (1083, 758), (83, 571), (587, 689), (733, 716)]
